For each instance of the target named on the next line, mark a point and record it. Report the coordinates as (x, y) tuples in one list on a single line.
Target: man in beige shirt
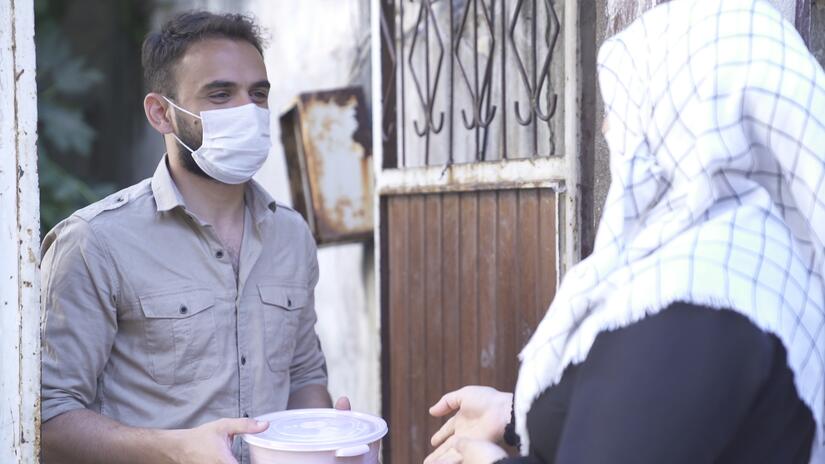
[(181, 307)]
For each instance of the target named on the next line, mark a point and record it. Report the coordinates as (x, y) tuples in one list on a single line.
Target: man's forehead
[(220, 60)]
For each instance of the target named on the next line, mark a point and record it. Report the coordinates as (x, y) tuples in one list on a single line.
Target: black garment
[(687, 385)]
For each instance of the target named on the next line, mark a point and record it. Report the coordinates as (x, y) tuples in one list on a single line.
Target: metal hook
[(522, 120), (427, 98), (477, 96), (534, 89), (551, 110)]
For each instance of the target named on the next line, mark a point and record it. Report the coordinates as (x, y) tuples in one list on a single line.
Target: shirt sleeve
[(308, 365), (79, 288)]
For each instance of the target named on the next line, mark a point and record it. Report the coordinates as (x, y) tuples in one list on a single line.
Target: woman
[(695, 332)]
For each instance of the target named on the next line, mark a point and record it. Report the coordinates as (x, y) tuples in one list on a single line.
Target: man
[(181, 307)]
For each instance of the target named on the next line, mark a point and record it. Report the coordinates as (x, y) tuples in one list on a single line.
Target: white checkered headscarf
[(716, 128)]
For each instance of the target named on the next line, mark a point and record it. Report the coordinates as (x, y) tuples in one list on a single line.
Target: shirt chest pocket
[(180, 335), (282, 308)]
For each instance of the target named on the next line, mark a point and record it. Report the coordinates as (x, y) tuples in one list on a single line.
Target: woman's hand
[(459, 450), (481, 413)]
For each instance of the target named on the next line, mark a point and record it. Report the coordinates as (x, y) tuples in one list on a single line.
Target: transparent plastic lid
[(317, 430)]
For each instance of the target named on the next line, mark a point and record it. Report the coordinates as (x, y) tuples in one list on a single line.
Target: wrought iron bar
[(403, 87), (534, 88), (504, 79), (477, 95), (389, 82), (427, 95)]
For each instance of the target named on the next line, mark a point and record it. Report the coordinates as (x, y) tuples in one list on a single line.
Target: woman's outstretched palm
[(481, 413)]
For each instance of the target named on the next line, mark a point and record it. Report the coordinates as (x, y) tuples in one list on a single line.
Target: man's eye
[(260, 95), (219, 95)]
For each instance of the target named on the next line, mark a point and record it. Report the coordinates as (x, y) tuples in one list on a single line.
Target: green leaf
[(76, 78), (66, 128)]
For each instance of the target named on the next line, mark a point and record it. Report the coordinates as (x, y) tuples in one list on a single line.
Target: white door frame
[(20, 313)]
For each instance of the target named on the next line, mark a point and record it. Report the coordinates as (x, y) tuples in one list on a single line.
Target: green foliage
[(64, 85)]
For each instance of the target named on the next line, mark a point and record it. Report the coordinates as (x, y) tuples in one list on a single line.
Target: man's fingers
[(447, 404), (446, 431), (343, 404), (228, 458), (238, 426)]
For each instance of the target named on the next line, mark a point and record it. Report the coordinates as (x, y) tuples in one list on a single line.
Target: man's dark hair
[(162, 50)]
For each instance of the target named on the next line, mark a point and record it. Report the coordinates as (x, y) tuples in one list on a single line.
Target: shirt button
[(243, 360), (219, 254), (184, 309)]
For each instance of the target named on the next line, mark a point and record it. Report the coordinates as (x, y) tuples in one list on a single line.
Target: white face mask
[(235, 142)]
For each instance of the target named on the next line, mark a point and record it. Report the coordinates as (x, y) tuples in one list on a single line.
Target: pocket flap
[(289, 298), (177, 305)]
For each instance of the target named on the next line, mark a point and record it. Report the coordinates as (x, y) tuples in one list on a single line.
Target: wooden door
[(470, 275), (477, 176)]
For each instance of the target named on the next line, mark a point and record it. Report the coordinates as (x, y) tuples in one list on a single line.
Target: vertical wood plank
[(546, 283), (507, 289), (489, 328), (469, 292), (528, 265), (434, 358), (418, 330), (451, 291), (398, 268), (471, 276)]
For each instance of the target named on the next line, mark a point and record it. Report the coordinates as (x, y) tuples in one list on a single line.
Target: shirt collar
[(259, 201), (168, 197)]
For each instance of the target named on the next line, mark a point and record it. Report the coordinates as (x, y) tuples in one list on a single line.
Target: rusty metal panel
[(327, 142)]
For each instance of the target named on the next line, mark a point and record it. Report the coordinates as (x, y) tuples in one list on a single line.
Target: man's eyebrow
[(264, 84), (214, 85)]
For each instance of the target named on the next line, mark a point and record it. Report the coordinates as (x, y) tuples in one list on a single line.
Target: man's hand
[(459, 450), (481, 413), (342, 404), (210, 443)]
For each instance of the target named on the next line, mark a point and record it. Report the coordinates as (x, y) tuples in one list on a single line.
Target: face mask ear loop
[(181, 142), (178, 107), (187, 112)]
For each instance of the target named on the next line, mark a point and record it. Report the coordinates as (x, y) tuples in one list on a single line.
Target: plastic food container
[(317, 436)]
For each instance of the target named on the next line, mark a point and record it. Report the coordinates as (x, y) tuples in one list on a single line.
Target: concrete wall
[(817, 42), (315, 45)]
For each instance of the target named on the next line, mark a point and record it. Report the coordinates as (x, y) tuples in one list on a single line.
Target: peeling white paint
[(19, 237)]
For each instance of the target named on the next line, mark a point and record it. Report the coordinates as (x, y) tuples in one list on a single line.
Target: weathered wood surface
[(470, 275)]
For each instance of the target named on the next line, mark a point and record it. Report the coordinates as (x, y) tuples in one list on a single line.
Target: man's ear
[(155, 107)]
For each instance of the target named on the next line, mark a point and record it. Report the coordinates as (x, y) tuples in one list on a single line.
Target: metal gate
[(477, 169)]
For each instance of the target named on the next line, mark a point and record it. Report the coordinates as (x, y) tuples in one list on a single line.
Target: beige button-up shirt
[(146, 322)]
